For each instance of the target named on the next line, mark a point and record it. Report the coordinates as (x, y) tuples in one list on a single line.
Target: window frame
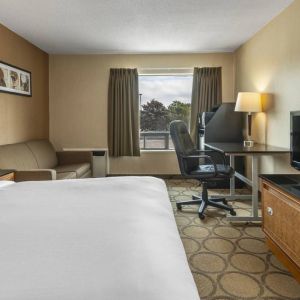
[(162, 72)]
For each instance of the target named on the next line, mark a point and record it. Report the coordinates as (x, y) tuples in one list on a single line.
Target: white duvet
[(91, 239)]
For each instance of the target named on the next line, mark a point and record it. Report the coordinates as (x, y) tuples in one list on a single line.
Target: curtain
[(123, 113), (206, 93)]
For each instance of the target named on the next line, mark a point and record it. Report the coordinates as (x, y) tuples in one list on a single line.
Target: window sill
[(157, 150)]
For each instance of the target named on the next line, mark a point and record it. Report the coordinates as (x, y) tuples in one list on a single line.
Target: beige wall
[(270, 63), (78, 101), (23, 118)]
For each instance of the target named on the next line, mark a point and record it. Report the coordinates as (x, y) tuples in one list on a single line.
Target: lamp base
[(248, 143)]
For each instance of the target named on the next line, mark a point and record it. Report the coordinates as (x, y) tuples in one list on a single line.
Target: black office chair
[(189, 159)]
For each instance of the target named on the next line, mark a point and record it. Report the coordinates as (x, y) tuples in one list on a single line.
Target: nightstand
[(7, 175)]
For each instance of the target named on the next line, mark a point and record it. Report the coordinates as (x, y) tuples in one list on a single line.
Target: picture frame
[(15, 80)]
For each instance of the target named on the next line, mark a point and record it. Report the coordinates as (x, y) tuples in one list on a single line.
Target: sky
[(165, 89)]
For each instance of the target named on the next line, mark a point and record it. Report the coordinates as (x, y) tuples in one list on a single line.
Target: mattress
[(91, 239)]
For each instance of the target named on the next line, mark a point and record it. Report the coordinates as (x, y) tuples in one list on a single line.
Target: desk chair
[(192, 164)]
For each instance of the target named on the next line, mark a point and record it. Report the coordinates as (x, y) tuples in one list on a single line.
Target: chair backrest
[(183, 146)]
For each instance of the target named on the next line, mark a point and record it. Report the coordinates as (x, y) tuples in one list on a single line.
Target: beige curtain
[(206, 93), (123, 113)]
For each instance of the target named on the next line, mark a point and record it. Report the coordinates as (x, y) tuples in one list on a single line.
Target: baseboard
[(162, 176)]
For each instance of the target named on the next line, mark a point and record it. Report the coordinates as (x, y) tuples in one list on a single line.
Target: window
[(163, 98)]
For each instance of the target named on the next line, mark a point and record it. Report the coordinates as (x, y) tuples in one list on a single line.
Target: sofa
[(37, 160)]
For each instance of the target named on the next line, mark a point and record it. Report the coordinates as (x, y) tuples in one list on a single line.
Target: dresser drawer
[(281, 221)]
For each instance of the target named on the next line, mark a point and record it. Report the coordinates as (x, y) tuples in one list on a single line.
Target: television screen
[(295, 139)]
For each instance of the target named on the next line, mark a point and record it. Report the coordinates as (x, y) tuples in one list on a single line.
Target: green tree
[(179, 111), (154, 116)]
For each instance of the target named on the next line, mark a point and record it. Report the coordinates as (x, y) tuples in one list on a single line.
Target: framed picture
[(15, 80)]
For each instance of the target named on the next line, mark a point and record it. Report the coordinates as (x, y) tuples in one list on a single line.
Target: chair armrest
[(35, 175), (203, 156), (221, 154), (74, 157)]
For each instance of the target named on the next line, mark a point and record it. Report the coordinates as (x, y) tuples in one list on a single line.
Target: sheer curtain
[(123, 113), (206, 93)]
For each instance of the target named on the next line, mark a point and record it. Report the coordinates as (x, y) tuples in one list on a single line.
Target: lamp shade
[(248, 102)]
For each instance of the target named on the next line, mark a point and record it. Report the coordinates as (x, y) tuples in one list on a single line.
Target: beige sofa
[(37, 160)]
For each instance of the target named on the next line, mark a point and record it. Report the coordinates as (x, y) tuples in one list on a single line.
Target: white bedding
[(91, 239)]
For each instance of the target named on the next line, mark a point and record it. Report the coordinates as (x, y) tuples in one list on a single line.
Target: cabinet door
[(281, 221)]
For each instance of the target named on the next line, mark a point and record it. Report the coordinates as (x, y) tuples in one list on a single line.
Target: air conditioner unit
[(100, 163)]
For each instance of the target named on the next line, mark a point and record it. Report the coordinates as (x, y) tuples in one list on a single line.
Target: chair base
[(205, 201)]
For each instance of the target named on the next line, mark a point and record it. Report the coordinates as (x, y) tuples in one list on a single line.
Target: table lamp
[(250, 103)]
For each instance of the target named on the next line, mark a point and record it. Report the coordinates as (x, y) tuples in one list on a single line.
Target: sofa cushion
[(87, 174), (79, 169), (66, 175), (44, 153), (17, 156)]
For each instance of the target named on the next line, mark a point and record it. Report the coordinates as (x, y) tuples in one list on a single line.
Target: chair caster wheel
[(233, 213), (178, 205), (225, 202), (201, 216)]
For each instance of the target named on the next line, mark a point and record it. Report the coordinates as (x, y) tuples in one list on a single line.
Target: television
[(295, 139)]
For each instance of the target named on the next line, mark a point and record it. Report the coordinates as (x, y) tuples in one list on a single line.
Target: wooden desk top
[(238, 148), (7, 175), (5, 172), (289, 183)]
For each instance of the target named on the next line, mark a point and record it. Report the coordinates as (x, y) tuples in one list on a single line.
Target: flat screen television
[(295, 139)]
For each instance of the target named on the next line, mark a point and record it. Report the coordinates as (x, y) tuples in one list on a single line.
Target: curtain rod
[(181, 68), (153, 71)]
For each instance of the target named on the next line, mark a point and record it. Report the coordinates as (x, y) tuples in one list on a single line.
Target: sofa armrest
[(74, 157), (35, 175)]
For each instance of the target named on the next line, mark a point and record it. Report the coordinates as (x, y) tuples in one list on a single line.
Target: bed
[(91, 239)]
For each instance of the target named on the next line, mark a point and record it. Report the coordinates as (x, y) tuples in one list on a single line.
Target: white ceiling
[(138, 26)]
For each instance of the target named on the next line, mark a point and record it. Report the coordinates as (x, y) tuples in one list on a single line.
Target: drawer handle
[(270, 211)]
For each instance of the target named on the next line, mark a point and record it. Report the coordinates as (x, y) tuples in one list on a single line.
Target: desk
[(237, 149)]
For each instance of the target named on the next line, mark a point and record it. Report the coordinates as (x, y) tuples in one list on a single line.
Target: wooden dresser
[(281, 218), (7, 175)]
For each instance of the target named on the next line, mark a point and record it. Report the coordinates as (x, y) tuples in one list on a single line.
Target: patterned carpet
[(228, 261)]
